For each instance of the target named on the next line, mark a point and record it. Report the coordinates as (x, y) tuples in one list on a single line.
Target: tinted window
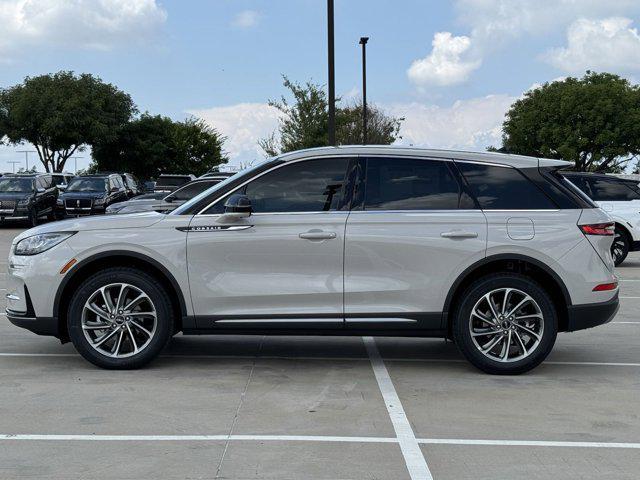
[(410, 184), (503, 188), (87, 184), (604, 190), (18, 185), (308, 186), (192, 189)]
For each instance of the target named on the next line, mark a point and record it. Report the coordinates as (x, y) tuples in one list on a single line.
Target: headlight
[(24, 201), (60, 202), (40, 243), (99, 201)]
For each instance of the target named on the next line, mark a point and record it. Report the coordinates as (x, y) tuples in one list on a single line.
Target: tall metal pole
[(332, 74), (363, 42), (26, 157), (13, 162)]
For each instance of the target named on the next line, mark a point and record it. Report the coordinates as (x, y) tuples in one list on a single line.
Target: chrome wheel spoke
[(515, 329), (111, 324)]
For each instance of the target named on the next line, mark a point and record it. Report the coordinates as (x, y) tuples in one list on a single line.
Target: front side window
[(307, 186), (503, 188), (192, 189), (412, 184)]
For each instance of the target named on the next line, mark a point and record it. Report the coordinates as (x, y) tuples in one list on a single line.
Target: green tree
[(304, 122), (61, 113), (593, 121), (152, 145)]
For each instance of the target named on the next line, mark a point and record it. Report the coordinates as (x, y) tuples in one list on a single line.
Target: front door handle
[(317, 235), (459, 234)]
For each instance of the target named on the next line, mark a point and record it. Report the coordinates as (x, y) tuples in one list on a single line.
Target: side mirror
[(169, 198), (114, 189), (40, 190), (62, 187), (238, 206)]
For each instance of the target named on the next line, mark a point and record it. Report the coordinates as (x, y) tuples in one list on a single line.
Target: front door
[(281, 267), (416, 229)]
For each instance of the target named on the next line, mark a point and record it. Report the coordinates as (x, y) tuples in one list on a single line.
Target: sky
[(451, 69)]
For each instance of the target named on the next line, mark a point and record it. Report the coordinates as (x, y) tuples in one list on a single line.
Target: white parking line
[(311, 438), (413, 457), (324, 359)]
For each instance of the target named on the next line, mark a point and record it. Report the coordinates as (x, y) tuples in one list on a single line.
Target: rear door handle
[(459, 234), (317, 235)]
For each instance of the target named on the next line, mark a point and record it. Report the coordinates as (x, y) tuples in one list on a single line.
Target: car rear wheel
[(33, 217), (505, 324), (620, 246), (120, 318)]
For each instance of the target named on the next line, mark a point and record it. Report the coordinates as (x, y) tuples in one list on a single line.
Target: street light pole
[(26, 157), (332, 74), (363, 42), (13, 163), (76, 161)]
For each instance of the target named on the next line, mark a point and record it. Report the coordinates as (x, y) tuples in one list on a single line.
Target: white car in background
[(620, 198)]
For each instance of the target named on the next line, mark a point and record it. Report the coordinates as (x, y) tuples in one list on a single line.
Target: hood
[(14, 195), (97, 222), (79, 195)]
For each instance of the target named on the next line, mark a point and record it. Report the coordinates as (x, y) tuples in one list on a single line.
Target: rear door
[(413, 230)]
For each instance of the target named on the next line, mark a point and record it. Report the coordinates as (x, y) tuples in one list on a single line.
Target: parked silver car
[(496, 252)]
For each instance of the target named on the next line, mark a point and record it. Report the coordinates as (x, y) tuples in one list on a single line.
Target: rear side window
[(412, 184), (503, 188)]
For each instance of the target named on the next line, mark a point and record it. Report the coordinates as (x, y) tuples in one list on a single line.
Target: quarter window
[(503, 188), (603, 190), (412, 184)]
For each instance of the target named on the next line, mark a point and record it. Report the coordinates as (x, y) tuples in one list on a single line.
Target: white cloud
[(94, 24), (246, 19), (608, 44), (244, 125), (446, 64), (472, 124)]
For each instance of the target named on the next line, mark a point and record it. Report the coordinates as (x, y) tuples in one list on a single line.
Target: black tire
[(151, 287), (51, 216), (33, 217), (620, 246), (462, 318)]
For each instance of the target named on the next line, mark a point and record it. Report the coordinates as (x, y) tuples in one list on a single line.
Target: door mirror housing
[(238, 206), (62, 186), (40, 190), (169, 198), (114, 189)]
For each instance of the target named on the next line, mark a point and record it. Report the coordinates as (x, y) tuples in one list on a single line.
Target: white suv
[(495, 251), (621, 200)]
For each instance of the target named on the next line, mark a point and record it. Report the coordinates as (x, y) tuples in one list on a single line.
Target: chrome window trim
[(284, 164)]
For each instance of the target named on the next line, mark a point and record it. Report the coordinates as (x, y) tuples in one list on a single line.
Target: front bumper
[(41, 325), (635, 246), (591, 315), (18, 213)]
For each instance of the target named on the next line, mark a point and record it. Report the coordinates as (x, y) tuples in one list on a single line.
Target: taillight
[(603, 287), (598, 229)]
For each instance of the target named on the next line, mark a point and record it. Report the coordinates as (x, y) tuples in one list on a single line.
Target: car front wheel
[(120, 318), (505, 324)]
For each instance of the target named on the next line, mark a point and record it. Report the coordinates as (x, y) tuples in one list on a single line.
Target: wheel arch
[(115, 258), (518, 263)]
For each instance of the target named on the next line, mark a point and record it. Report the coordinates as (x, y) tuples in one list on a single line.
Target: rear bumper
[(40, 325), (591, 314)]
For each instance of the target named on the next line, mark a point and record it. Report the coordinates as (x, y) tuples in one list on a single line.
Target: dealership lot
[(323, 408)]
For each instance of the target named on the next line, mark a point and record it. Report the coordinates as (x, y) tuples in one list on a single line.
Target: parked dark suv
[(27, 197), (90, 194), (131, 184)]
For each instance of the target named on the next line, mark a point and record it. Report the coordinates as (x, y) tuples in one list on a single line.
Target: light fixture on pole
[(26, 157), (76, 162), (363, 42), (13, 162), (332, 74)]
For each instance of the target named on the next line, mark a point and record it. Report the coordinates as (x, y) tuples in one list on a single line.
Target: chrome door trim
[(381, 320), (281, 320)]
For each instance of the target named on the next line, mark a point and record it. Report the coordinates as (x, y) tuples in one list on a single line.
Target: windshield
[(238, 176), (87, 185), (17, 185)]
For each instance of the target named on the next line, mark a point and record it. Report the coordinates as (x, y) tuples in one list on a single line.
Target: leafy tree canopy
[(304, 122), (60, 113), (593, 121), (151, 145)]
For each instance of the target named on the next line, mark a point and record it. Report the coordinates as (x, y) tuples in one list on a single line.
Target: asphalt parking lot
[(323, 408)]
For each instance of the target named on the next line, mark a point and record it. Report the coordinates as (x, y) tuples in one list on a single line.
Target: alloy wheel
[(119, 320), (618, 247), (506, 325)]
